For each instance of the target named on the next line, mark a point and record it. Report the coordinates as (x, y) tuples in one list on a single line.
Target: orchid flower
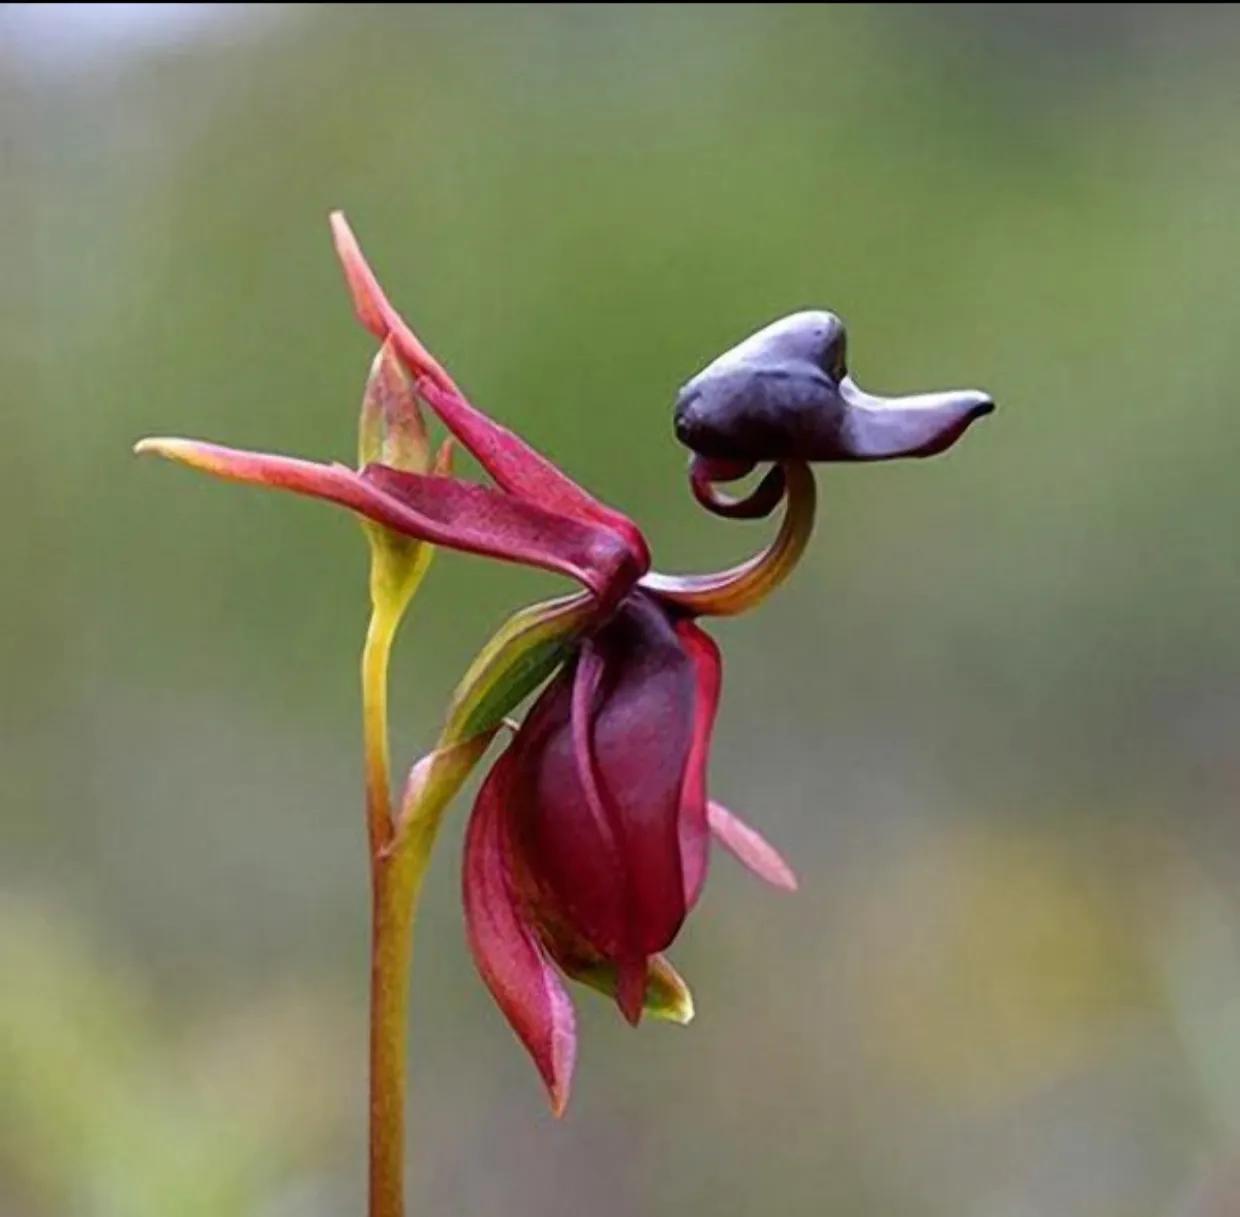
[(589, 841), (588, 844)]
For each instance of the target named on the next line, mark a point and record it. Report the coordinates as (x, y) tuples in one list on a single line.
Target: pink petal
[(750, 848), (514, 464), (442, 510), (505, 948), (694, 834)]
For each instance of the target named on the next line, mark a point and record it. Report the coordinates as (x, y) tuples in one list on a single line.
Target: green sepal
[(667, 996), (524, 651)]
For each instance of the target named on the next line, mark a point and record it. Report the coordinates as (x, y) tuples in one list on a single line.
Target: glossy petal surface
[(611, 856), (506, 949), (694, 825), (784, 393)]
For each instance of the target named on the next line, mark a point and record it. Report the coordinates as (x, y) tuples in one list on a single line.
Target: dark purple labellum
[(597, 792), (785, 394)]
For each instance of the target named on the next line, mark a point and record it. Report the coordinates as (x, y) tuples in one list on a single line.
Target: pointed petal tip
[(369, 303), (668, 997), (878, 428), (751, 848), (557, 1069), (391, 430), (558, 1093), (154, 444), (445, 457), (679, 1007), (197, 454), (631, 989), (786, 881), (506, 949)]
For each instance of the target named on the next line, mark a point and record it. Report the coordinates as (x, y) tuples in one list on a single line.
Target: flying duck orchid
[(589, 841)]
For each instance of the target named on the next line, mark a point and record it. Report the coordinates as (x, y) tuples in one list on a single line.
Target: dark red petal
[(533, 476), (442, 510), (486, 521), (751, 848), (506, 949), (631, 988), (616, 875), (694, 827), (642, 740), (569, 851), (586, 681), (514, 464)]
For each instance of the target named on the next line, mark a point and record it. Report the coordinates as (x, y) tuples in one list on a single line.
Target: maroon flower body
[(589, 840), (588, 843)]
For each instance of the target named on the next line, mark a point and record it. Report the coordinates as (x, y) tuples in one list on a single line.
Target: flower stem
[(520, 655), (375, 657), (395, 877), (396, 888)]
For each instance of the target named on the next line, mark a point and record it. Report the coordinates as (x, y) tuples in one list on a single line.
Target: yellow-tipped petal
[(668, 998), (194, 453)]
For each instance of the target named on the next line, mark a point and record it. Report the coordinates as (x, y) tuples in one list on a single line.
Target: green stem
[(375, 656), (395, 879), (397, 885), (521, 655), (398, 874)]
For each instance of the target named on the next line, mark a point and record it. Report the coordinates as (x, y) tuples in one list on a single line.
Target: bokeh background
[(993, 719)]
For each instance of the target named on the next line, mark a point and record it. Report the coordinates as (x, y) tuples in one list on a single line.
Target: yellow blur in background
[(992, 719)]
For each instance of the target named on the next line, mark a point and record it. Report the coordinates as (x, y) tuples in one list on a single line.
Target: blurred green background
[(992, 719)]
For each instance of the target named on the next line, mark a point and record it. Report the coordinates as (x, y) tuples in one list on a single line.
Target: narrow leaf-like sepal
[(523, 652), (694, 825), (432, 783), (506, 949), (514, 464), (442, 510), (750, 848)]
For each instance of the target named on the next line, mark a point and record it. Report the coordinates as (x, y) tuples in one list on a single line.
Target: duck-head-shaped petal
[(784, 393)]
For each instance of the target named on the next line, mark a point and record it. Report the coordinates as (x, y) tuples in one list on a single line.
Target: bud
[(391, 430)]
